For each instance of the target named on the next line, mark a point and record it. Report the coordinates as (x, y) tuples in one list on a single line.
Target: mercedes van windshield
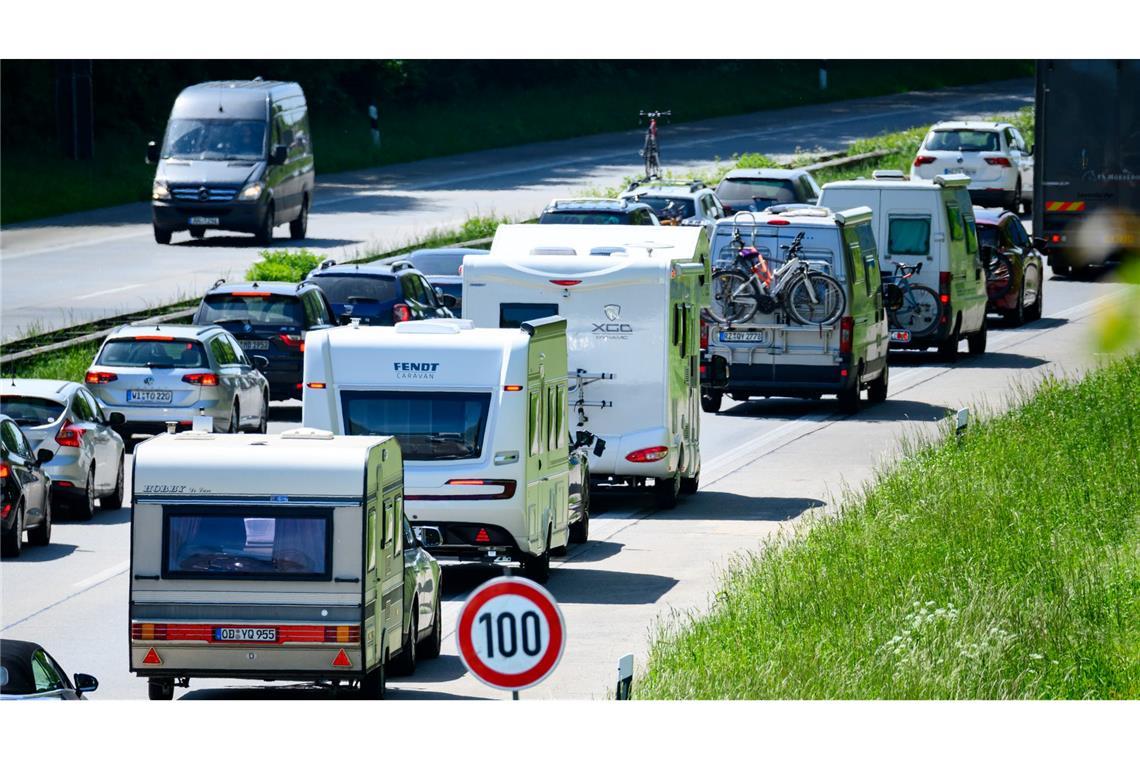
[(429, 425), (215, 140)]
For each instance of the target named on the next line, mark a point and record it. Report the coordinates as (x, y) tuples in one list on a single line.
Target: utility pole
[(75, 109)]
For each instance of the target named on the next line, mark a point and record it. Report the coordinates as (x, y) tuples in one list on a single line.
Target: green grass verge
[(1004, 566), (65, 364)]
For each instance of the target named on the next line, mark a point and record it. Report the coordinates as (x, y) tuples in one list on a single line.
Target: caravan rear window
[(247, 544), (512, 315), (430, 426), (909, 236)]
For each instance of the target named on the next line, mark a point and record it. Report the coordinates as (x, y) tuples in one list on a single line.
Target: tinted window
[(266, 309), (908, 237), (433, 263), (669, 208), (314, 309), (215, 139), (514, 314), (1018, 234), (988, 235), (223, 352), (235, 347), (30, 411), (13, 439), (962, 139), (765, 192), (46, 676), (153, 353), (293, 545), (348, 288), (96, 410), (584, 217), (82, 409), (429, 425)]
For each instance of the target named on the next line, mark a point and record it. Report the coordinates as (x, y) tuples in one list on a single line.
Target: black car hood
[(177, 172)]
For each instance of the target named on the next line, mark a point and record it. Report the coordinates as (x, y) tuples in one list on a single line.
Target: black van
[(237, 156)]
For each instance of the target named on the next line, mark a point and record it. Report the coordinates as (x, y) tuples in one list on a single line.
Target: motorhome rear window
[(247, 544), (429, 425), (262, 309), (512, 315), (156, 354), (909, 236)]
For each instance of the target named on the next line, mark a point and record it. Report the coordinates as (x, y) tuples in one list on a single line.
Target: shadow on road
[(1005, 361), (593, 551), (247, 241), (102, 516), (287, 692), (42, 553), (446, 667), (289, 411), (572, 585), (781, 408), (714, 506), (894, 410)]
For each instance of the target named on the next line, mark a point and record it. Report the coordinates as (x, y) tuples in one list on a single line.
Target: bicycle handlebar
[(908, 269), (654, 114)]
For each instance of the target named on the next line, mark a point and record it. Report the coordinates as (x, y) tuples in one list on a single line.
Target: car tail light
[(69, 435), (1055, 238), (154, 337), (63, 483), (653, 454), (998, 161), (846, 334), (778, 221), (293, 341), (565, 283), (149, 631), (482, 537), (201, 378), (923, 160), (5, 511), (100, 378), (401, 312), (251, 294), (5, 470)]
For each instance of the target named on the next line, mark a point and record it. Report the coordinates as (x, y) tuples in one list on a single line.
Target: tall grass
[(66, 364), (1002, 566)]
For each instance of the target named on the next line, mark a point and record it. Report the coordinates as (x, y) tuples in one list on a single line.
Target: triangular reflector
[(341, 660), (152, 658)]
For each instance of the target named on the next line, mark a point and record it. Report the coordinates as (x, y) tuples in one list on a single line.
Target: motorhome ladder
[(579, 380)]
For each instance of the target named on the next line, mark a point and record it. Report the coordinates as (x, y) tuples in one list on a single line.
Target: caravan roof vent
[(553, 251), (434, 326), (607, 250), (307, 434), (892, 174)]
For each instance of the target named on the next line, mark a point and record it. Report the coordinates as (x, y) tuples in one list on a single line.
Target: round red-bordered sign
[(510, 633)]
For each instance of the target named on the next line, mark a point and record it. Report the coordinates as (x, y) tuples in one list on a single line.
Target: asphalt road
[(80, 267), (766, 465)]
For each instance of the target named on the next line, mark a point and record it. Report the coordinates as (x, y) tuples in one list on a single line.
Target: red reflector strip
[(778, 221), (293, 634), (565, 283), (65, 484), (1065, 206)]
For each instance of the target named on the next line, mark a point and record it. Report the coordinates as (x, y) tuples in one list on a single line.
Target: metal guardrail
[(847, 160), (97, 334)]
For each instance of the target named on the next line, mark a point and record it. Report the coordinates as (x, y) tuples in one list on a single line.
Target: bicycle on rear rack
[(913, 307)]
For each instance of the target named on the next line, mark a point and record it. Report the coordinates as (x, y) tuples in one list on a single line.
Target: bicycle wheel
[(734, 296), (825, 308), (918, 312), (652, 166)]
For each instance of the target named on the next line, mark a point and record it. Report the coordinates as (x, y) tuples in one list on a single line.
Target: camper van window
[(954, 218), (909, 236), (552, 418), (512, 315), (215, 139), (851, 263), (429, 425), (257, 543), (371, 539), (563, 413), (534, 422)]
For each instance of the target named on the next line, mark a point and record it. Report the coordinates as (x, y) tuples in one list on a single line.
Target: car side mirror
[(344, 319), (116, 418), (279, 155), (43, 456), (85, 683), (448, 300), (152, 152), (260, 362)]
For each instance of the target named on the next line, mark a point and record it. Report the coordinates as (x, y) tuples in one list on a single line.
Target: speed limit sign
[(510, 633)]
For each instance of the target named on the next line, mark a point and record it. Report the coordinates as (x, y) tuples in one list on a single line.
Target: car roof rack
[(401, 265), (693, 184)]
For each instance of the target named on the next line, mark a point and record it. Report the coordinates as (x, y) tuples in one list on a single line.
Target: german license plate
[(900, 336), (150, 397), (763, 337), (262, 635), (205, 221), (254, 345)]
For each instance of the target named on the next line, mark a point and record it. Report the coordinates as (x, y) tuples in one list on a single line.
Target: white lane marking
[(6, 257), (107, 292), (107, 574)]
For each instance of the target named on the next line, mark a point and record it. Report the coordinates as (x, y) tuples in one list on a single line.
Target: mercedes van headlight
[(251, 192), (159, 191)]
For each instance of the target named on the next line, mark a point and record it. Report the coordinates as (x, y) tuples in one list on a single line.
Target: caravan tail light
[(70, 435), (944, 280), (401, 312), (922, 160), (565, 283), (293, 341), (201, 378), (653, 454), (846, 334), (998, 161), (778, 221), (100, 378), (704, 335)]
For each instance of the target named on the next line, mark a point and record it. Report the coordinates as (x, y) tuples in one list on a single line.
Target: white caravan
[(269, 557), (632, 297), (481, 419)]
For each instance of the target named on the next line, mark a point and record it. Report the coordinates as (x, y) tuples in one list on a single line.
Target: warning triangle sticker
[(152, 658), (341, 660)]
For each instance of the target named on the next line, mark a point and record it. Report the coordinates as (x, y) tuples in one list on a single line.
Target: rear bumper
[(237, 217), (788, 379), (991, 198), (459, 544)]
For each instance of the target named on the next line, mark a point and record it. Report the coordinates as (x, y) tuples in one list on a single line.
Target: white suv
[(992, 154), (677, 202)]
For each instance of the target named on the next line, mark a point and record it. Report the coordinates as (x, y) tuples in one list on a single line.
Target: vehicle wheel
[(538, 568), (405, 662), (580, 531), (977, 341), (373, 685), (13, 543), (690, 486), (1016, 315), (1015, 202), (41, 534), (162, 237), (264, 235), (850, 399), (1035, 311), (85, 504), (235, 418), (948, 349), (114, 500), (160, 689), (263, 428), (197, 233), (666, 490), (877, 388), (710, 402), (1063, 270), (299, 227), (428, 649)]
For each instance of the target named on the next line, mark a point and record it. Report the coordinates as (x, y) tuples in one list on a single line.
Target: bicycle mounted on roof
[(650, 152)]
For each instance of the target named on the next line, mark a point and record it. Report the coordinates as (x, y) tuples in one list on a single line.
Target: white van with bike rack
[(631, 297), (268, 557), (927, 223), (481, 419)]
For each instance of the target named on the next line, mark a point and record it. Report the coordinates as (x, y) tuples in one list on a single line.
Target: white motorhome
[(269, 557), (930, 223), (481, 418), (632, 298)]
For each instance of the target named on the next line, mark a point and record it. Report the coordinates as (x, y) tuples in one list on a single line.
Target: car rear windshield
[(670, 208), (584, 217), (771, 191), (261, 309), (962, 139), (428, 425), (437, 263), (29, 410), (293, 545), (129, 352), (358, 288)]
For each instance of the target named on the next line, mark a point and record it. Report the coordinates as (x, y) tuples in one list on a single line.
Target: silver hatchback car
[(64, 418), (159, 374)]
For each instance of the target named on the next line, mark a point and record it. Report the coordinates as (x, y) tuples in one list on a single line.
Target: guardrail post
[(625, 678), (374, 121)]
